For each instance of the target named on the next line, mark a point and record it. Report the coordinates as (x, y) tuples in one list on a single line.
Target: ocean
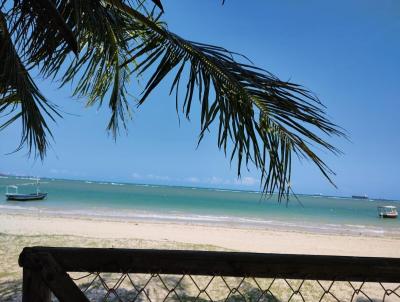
[(156, 203)]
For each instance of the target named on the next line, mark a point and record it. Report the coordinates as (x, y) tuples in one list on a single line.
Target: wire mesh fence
[(164, 275), (161, 287)]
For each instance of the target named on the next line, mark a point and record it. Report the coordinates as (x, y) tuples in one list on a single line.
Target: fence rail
[(49, 270)]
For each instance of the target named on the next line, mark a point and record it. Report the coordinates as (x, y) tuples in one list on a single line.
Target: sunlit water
[(204, 206)]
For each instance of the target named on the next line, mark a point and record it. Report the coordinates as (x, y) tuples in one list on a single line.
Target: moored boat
[(24, 197), (387, 212)]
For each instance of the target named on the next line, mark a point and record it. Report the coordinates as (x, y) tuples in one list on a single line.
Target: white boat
[(24, 197), (387, 212)]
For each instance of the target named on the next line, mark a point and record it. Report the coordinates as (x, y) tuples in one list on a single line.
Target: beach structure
[(98, 274)]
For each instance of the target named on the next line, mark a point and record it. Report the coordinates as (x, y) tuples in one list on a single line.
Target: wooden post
[(34, 289)]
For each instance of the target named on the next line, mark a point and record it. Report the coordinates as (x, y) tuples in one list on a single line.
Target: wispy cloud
[(136, 175), (215, 180), (192, 179), (246, 181), (157, 177), (66, 172), (212, 180), (59, 171)]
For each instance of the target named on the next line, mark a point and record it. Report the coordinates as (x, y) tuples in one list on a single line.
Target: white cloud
[(136, 175), (192, 179), (214, 180), (157, 177), (66, 172), (149, 176), (59, 171), (246, 181)]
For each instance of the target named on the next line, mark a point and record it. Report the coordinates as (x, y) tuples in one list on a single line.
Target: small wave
[(116, 184), (26, 178), (229, 191), (15, 207), (360, 226), (187, 218)]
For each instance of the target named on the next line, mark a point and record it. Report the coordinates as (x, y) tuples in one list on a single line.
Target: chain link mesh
[(161, 287)]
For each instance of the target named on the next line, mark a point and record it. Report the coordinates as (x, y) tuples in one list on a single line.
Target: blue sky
[(347, 52)]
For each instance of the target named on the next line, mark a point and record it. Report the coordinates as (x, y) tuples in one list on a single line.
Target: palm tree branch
[(19, 93), (260, 119), (242, 92)]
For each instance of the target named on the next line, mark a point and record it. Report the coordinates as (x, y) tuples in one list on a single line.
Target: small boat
[(359, 196), (24, 197), (387, 212)]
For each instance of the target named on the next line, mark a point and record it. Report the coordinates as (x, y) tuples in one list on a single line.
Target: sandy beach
[(221, 237), (31, 229)]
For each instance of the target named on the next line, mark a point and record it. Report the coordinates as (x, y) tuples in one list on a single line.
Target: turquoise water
[(197, 205)]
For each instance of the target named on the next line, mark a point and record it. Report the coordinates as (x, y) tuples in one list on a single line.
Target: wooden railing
[(47, 270)]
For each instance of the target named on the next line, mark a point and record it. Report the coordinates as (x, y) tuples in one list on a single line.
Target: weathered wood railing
[(45, 269)]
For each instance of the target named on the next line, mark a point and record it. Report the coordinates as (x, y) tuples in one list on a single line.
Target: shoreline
[(314, 227), (221, 237), (204, 207)]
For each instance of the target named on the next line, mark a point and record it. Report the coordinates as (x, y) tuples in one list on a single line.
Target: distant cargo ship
[(359, 196)]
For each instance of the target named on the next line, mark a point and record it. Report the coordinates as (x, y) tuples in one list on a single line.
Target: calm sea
[(120, 201)]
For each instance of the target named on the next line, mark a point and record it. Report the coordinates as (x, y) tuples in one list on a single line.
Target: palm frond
[(44, 31), (158, 4), (260, 119), (265, 119), (20, 98), (103, 37)]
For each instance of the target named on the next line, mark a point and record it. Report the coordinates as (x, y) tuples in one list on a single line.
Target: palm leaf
[(265, 119), (158, 3), (44, 32), (103, 37), (260, 119), (20, 98)]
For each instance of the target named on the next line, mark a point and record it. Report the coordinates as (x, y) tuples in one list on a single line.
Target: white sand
[(233, 238)]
